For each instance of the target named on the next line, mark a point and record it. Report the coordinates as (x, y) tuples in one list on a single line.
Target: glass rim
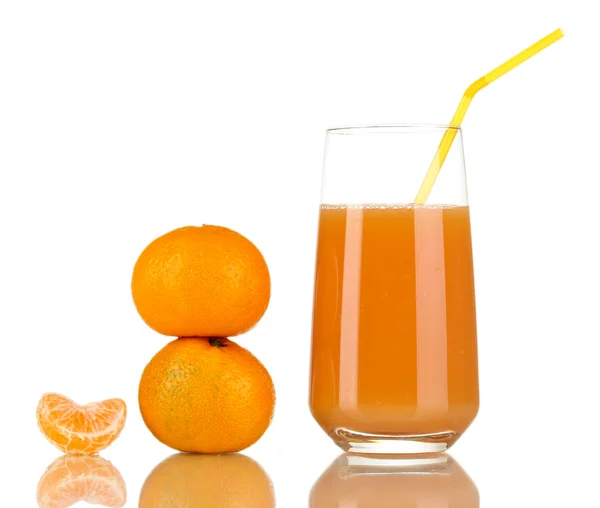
[(392, 128)]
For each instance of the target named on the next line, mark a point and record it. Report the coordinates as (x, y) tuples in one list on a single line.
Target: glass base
[(394, 444)]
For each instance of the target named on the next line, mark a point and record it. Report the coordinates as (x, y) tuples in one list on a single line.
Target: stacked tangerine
[(203, 392)]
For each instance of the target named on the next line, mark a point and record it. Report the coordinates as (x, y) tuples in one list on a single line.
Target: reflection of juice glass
[(353, 481), (394, 352)]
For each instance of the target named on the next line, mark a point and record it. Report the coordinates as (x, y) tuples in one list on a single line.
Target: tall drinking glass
[(394, 348)]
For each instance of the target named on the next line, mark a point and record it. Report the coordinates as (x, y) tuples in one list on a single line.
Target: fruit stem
[(217, 342)]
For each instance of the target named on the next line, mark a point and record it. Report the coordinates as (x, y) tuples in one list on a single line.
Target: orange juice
[(394, 352)]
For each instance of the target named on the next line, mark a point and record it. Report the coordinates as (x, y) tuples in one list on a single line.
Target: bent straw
[(450, 134)]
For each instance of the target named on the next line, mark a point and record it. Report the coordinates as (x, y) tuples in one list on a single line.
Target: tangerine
[(206, 395), (80, 430), (204, 281)]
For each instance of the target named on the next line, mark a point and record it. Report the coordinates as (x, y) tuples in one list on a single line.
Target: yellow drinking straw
[(450, 134)]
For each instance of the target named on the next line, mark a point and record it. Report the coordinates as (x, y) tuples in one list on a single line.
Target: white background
[(120, 121)]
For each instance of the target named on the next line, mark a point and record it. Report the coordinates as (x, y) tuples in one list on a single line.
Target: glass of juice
[(394, 345)]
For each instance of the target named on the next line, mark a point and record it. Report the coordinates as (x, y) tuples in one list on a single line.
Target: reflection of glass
[(394, 352), (90, 479), (200, 481), (358, 482)]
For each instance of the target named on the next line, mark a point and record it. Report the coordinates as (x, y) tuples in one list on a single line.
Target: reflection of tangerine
[(206, 395), (374, 482), (197, 481), (70, 479), (204, 281), (80, 430)]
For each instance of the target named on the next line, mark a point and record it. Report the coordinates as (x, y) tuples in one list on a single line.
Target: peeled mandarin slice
[(80, 430), (71, 479)]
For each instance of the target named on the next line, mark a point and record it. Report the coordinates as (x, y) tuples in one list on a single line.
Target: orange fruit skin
[(204, 281), (198, 397), (207, 481), (80, 430), (70, 479)]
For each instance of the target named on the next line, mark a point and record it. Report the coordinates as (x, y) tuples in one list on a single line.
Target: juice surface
[(394, 337)]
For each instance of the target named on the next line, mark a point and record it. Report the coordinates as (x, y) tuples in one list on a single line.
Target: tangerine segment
[(80, 430), (70, 479)]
